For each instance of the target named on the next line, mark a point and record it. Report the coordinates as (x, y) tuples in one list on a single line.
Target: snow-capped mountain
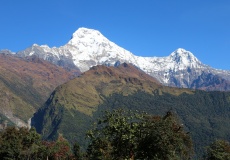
[(88, 47)]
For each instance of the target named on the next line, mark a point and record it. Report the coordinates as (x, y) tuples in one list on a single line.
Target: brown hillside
[(26, 83), (88, 91)]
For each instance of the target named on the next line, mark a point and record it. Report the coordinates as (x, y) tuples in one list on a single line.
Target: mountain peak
[(180, 52), (184, 58), (82, 32), (86, 35), (88, 48)]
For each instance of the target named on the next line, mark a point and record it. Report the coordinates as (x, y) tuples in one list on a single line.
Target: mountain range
[(88, 47), (62, 90)]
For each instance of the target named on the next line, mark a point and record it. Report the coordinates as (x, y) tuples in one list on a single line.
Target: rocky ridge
[(88, 47)]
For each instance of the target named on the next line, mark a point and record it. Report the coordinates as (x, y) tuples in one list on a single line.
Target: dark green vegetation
[(22, 143), (74, 106), (118, 134), (125, 135), (204, 114), (218, 150), (50, 121)]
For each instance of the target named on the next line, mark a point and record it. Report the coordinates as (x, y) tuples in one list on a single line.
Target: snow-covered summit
[(183, 59), (85, 35), (182, 55), (180, 59), (89, 47)]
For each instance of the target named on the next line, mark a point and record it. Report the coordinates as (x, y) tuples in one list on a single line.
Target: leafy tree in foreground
[(127, 135), (218, 150), (23, 143), (77, 151), (59, 149), (19, 143), (114, 137), (164, 138)]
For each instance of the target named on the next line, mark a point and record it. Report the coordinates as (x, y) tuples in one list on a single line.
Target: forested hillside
[(72, 109)]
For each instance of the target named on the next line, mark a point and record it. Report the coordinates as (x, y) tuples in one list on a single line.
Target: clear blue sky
[(144, 27)]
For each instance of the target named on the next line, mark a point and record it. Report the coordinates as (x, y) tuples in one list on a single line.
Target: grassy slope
[(88, 91), (25, 84), (72, 106)]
